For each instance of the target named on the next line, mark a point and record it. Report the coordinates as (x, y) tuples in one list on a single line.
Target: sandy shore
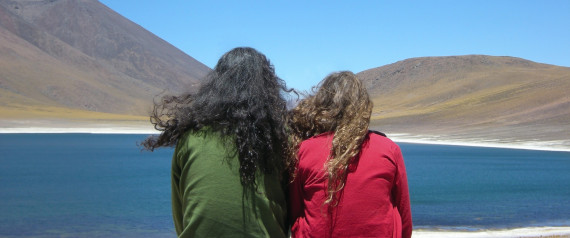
[(529, 232)]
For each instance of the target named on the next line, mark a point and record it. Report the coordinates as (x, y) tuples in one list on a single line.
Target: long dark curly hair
[(341, 105), (241, 99)]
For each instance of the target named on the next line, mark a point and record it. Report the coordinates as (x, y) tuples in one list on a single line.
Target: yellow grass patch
[(49, 112)]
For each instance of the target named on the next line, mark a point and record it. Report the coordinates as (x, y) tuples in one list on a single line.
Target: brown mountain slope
[(79, 55), (473, 96)]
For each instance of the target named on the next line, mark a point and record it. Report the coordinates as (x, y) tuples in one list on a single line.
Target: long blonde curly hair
[(342, 106)]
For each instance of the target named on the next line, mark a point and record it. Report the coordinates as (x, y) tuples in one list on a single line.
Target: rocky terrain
[(59, 56)]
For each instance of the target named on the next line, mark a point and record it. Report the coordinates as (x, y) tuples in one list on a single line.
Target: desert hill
[(61, 58), (472, 96)]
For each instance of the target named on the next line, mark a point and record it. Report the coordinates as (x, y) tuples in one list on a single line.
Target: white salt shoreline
[(510, 233), (87, 130), (404, 138), (477, 142)]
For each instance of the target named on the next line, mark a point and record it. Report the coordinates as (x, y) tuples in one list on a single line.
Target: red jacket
[(374, 202)]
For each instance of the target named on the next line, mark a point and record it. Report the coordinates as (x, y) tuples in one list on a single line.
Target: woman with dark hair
[(230, 138), (347, 181)]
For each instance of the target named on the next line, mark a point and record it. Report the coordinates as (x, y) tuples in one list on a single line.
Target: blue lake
[(98, 185)]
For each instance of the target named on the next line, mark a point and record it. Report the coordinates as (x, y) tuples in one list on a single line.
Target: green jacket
[(208, 199)]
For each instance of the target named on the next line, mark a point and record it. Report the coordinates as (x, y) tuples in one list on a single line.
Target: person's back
[(347, 181), (366, 207), (208, 199), (230, 142)]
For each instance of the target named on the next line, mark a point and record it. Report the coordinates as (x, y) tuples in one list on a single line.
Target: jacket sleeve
[(401, 194), (177, 181)]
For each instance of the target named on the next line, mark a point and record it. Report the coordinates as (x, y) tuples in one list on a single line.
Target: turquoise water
[(471, 188), (92, 185), (83, 185)]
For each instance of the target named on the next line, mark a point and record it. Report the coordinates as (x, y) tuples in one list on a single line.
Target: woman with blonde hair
[(347, 181)]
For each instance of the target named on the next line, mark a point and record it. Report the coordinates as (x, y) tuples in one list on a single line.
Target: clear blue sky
[(306, 40)]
